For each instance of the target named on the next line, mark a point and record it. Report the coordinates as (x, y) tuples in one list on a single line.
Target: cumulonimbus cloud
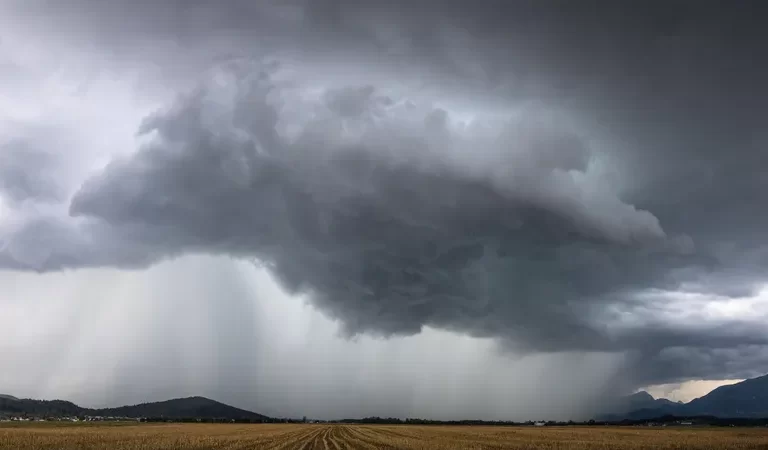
[(391, 215), (395, 213)]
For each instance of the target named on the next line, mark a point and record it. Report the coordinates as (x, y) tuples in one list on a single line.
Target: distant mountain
[(180, 408), (748, 399), (38, 407), (640, 401), (9, 397), (643, 399)]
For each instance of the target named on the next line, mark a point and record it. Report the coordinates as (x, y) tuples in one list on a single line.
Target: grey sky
[(541, 180)]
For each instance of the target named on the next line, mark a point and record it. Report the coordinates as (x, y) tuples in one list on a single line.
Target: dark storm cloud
[(682, 363), (389, 236), (392, 219)]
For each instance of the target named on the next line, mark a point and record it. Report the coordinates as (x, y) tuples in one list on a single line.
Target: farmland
[(36, 436)]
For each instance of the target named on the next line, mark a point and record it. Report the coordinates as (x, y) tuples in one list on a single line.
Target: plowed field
[(52, 436)]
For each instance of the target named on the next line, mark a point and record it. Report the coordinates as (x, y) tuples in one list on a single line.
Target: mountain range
[(748, 399), (180, 408)]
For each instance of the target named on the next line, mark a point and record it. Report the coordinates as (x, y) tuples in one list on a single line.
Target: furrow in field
[(313, 440), (326, 436), (291, 440), (349, 438), (365, 439), (333, 437)]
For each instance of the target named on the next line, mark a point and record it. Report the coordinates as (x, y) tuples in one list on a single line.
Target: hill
[(9, 397), (38, 407), (180, 408), (748, 399), (197, 407)]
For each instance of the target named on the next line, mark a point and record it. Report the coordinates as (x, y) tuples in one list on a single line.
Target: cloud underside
[(393, 213)]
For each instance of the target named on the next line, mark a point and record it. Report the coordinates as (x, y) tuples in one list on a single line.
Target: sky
[(337, 208)]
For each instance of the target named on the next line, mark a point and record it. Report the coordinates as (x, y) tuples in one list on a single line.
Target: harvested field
[(337, 437)]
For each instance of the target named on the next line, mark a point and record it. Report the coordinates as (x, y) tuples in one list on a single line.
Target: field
[(336, 437)]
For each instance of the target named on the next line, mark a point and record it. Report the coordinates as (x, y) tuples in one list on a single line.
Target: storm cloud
[(27, 173), (560, 177)]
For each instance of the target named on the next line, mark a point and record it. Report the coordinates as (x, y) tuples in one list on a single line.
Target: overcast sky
[(338, 208)]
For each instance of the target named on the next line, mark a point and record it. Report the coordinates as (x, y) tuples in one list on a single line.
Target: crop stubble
[(45, 436)]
